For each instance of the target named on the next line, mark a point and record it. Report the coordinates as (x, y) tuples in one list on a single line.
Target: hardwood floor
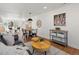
[(70, 50)]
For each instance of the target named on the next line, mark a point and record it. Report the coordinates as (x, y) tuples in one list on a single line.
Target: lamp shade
[(1, 28), (29, 19)]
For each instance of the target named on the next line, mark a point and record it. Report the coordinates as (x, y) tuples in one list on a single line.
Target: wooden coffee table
[(41, 46)]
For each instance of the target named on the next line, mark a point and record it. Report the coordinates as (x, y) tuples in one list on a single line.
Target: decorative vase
[(41, 39)]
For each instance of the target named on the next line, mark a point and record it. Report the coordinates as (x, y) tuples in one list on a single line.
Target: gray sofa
[(13, 50)]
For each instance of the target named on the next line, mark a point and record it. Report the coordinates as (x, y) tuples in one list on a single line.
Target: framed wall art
[(10, 24), (39, 23), (60, 19)]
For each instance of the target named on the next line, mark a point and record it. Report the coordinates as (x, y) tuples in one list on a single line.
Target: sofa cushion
[(12, 50), (9, 39)]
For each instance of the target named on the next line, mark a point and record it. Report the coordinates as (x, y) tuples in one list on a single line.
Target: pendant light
[(30, 18)]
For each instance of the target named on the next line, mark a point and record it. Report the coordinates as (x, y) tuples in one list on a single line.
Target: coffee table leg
[(45, 52)]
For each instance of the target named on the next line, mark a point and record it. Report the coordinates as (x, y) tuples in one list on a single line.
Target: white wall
[(72, 23), (17, 21)]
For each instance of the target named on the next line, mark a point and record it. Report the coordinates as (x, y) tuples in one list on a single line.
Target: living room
[(23, 27)]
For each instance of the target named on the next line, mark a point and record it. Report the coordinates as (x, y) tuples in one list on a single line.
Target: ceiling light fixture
[(45, 7), (30, 18)]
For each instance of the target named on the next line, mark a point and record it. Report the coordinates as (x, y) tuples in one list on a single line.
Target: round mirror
[(39, 23)]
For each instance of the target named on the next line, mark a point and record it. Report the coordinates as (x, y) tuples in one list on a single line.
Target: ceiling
[(23, 9)]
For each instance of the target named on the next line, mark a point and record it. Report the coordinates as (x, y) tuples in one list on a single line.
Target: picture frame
[(60, 19)]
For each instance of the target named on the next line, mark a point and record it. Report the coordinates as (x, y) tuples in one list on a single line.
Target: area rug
[(52, 50)]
